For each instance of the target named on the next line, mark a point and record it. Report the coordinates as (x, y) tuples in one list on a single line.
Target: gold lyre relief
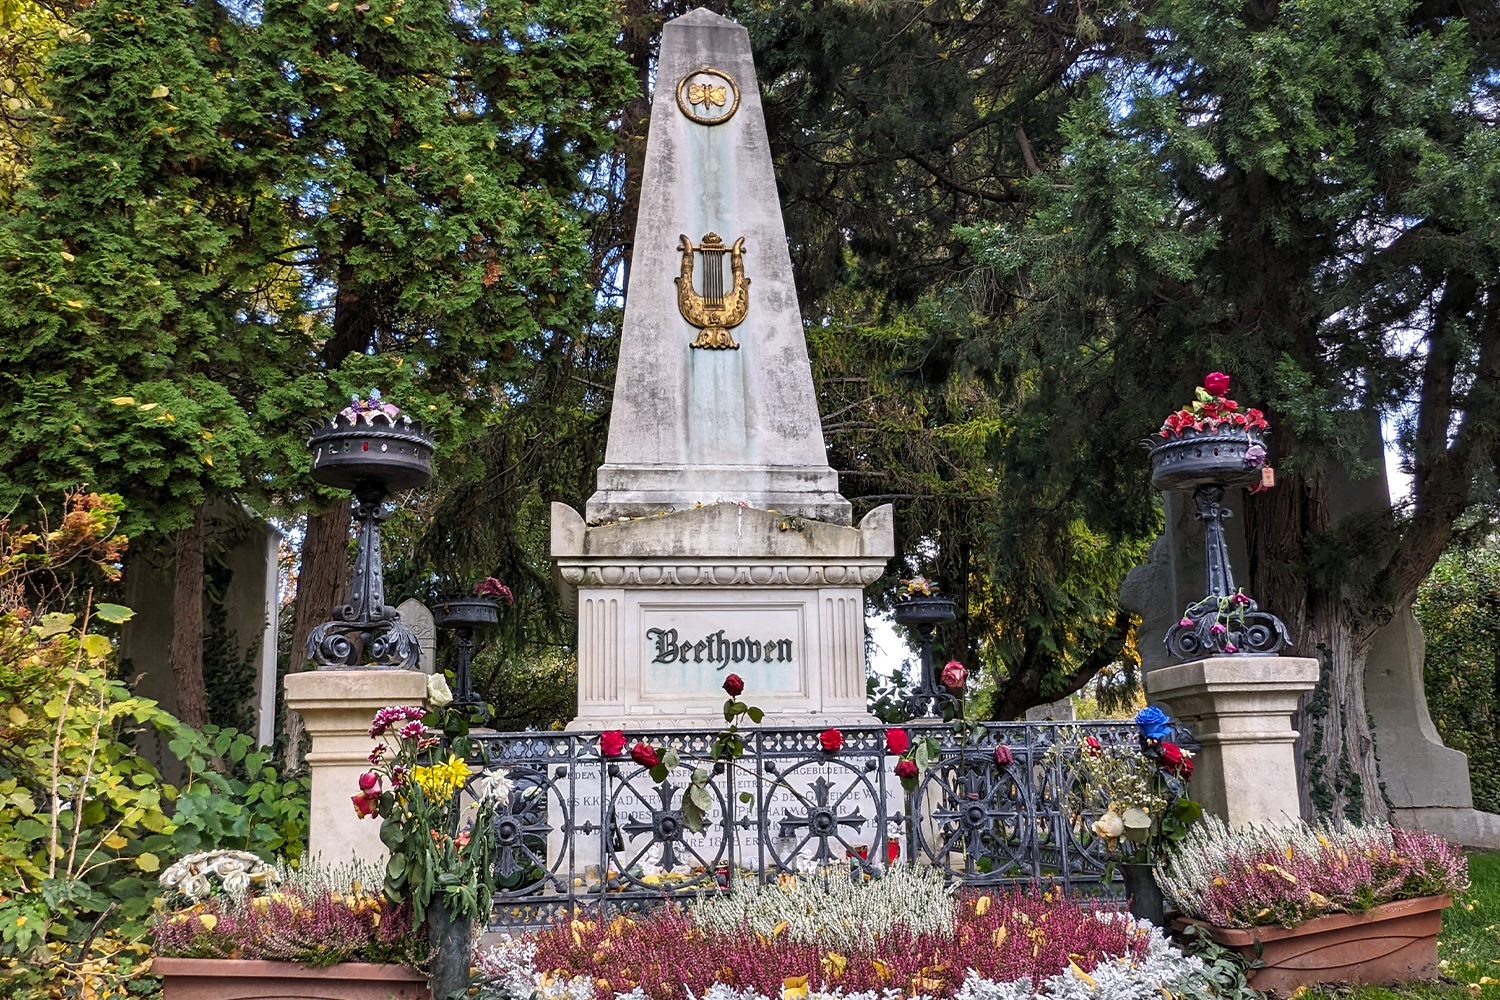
[(715, 310)]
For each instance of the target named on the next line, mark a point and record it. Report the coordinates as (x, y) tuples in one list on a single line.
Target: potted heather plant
[(238, 928), (439, 826), (1318, 904)]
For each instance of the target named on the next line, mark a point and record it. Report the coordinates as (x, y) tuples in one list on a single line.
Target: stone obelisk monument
[(717, 542)]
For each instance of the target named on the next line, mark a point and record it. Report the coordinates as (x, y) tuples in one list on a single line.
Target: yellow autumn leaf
[(95, 646), (66, 256), (148, 407), (1082, 975), (148, 862), (333, 6), (16, 716), (208, 920), (794, 988), (834, 965), (159, 91), (388, 19), (75, 303), (114, 842), (998, 938), (982, 906), (779, 929), (881, 969), (208, 460), (424, 145), (206, 435)]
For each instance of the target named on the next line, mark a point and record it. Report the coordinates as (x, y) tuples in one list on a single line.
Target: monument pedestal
[(670, 605), (336, 707), (1240, 708)]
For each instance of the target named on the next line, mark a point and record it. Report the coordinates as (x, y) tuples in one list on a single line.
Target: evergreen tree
[(1302, 194), (432, 154)]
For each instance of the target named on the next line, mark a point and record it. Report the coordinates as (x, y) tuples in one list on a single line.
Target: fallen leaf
[(159, 91)]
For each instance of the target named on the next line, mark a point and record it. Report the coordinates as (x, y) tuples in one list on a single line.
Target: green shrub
[(1459, 609), (86, 822)]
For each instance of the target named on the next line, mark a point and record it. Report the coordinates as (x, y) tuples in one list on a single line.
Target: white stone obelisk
[(717, 542), (703, 425)]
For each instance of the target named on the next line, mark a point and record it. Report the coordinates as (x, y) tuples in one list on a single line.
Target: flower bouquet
[(1143, 788), (439, 825)]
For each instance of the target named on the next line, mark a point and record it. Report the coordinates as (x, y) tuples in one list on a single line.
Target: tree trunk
[(185, 654), (1337, 774), (322, 584)]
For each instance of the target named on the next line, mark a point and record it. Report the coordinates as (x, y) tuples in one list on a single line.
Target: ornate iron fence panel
[(583, 830)]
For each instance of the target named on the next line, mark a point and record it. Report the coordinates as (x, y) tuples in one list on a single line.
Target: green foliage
[(1459, 610), (87, 820)]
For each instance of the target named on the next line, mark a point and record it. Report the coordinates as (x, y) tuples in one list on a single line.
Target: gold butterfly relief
[(707, 94)]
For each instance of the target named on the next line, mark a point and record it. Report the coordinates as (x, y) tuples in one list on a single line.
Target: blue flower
[(1153, 723)]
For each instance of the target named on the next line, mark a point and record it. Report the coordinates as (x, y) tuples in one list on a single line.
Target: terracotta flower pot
[(1394, 942), (241, 979)]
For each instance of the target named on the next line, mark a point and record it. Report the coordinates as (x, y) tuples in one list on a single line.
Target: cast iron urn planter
[(1208, 463), (372, 450), (463, 615), (923, 614)]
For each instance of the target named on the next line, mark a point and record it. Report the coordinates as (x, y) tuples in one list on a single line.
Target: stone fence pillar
[(337, 706), (1240, 708)]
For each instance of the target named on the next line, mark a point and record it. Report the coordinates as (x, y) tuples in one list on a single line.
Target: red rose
[(364, 805), (734, 684), (612, 743), (1003, 756), (831, 739), (1217, 383), (1174, 761), (644, 755), (896, 741), (954, 675), (906, 769)]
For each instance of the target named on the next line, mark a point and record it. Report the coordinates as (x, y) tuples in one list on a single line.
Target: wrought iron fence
[(585, 830)]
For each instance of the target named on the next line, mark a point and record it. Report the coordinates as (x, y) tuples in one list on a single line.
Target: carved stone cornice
[(597, 572)]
